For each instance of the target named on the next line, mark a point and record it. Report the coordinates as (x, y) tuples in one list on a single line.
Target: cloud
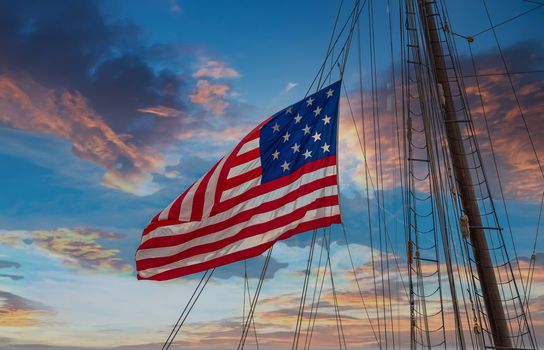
[(161, 111), (16, 311), (78, 248), (215, 70), (289, 86), (75, 75), (380, 152), (9, 264), (12, 277), (516, 159), (211, 96), (521, 178), (27, 105), (174, 7), (217, 141)]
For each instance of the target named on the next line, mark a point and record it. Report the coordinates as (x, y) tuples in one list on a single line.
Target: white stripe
[(166, 211), (187, 203), (238, 190), (286, 209), (249, 146), (244, 168), (243, 244), (209, 196), (173, 230)]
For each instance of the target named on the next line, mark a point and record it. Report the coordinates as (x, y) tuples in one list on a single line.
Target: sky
[(110, 109)]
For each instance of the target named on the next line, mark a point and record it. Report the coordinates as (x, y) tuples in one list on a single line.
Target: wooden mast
[(485, 268)]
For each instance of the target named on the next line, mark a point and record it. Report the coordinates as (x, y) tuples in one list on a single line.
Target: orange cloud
[(76, 247), (516, 159), (354, 138), (216, 70), (27, 105), (211, 96), (16, 311), (161, 111), (517, 164)]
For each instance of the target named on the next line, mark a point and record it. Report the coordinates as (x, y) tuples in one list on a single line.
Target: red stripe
[(155, 218), (245, 254), (256, 191), (173, 214), (247, 232), (254, 134), (240, 179), (246, 157), (158, 242), (200, 194), (275, 184)]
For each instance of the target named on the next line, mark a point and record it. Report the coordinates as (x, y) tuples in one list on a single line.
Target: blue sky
[(108, 110)]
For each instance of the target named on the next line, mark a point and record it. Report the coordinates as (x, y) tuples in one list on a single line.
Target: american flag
[(280, 180)]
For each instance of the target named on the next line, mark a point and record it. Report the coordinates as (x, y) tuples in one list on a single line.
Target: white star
[(276, 127), (286, 136), (326, 120), (289, 110), (296, 148), (330, 92), (298, 118), (317, 111), (275, 155), (306, 129), (316, 137), (325, 148), (285, 165), (310, 101), (307, 154)]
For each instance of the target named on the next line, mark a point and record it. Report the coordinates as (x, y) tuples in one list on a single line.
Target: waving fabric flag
[(280, 180)]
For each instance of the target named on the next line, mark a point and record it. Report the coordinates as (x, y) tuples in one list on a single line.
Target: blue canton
[(302, 133)]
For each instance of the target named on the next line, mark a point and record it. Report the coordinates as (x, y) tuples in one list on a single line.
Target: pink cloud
[(161, 111), (216, 70), (516, 159), (27, 105), (211, 96)]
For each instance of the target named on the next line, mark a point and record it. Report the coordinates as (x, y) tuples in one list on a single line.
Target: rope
[(508, 20), (185, 313), (503, 74), (255, 299), (513, 89), (497, 170), (248, 292), (304, 293), (339, 325), (313, 315), (331, 47), (253, 319), (358, 285)]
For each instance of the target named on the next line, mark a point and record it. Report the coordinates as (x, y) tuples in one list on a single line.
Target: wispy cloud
[(16, 311), (161, 111), (211, 96), (96, 99), (174, 7), (289, 86), (517, 166), (520, 174), (215, 70), (78, 248), (27, 105)]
